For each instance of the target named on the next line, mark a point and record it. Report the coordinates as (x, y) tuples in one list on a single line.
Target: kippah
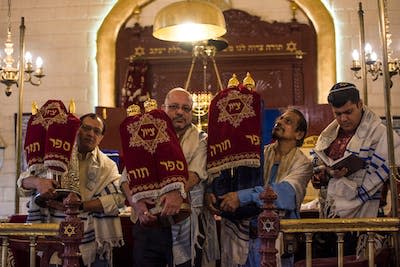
[(342, 86)]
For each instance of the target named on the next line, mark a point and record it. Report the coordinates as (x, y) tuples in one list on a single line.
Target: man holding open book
[(349, 192)]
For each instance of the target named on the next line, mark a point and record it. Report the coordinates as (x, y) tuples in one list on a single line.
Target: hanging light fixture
[(189, 21), (23, 71), (18, 75)]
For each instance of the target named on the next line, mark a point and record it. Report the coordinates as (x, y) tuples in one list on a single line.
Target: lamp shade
[(189, 21)]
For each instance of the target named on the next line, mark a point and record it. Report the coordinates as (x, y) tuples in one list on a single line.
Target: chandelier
[(369, 62), (18, 74), (23, 71), (203, 51)]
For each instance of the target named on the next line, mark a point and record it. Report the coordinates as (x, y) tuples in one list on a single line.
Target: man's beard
[(181, 125), (274, 135), (275, 132)]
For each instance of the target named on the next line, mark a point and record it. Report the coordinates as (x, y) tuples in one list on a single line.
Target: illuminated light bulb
[(39, 62), (355, 55), (374, 57), (28, 57), (368, 48)]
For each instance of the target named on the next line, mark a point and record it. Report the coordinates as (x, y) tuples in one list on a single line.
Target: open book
[(352, 162)]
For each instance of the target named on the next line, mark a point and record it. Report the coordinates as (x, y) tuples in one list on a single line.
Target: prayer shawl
[(186, 233), (154, 159), (211, 248), (235, 225), (234, 130), (233, 162), (358, 195), (294, 168), (235, 237), (102, 231)]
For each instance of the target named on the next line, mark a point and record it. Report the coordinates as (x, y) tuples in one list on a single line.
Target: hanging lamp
[(189, 21)]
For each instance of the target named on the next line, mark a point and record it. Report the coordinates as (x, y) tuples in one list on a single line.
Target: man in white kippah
[(359, 131)]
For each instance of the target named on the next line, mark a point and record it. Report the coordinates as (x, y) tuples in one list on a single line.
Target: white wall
[(63, 32), (347, 39)]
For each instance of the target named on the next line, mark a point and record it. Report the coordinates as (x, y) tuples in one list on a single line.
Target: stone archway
[(123, 9)]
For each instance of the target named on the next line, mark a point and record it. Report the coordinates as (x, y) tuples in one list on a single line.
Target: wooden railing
[(69, 233), (270, 225), (66, 234), (370, 226), (22, 232)]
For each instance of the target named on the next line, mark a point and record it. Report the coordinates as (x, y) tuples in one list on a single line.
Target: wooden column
[(268, 228), (71, 231)]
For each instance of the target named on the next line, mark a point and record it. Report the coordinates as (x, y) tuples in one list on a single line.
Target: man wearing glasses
[(100, 195), (178, 106), (156, 246)]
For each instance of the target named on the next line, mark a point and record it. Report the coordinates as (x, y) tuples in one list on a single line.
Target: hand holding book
[(337, 173), (350, 162)]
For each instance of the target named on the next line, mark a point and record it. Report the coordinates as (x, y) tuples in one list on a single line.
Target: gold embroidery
[(148, 132), (35, 160), (55, 156), (69, 230), (34, 147), (157, 185), (49, 114), (222, 147), (171, 165), (139, 173), (234, 158), (58, 143), (235, 107), (254, 139)]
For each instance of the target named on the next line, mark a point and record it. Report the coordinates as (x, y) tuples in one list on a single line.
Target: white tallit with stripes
[(358, 195), (102, 231)]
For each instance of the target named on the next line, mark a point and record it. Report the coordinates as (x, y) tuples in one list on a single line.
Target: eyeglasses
[(175, 107), (88, 128)]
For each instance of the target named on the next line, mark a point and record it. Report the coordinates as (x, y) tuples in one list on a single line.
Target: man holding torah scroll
[(189, 245), (93, 175), (234, 163), (153, 181), (49, 145)]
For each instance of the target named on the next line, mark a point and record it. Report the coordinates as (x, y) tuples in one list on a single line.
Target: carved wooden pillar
[(268, 228), (71, 231)]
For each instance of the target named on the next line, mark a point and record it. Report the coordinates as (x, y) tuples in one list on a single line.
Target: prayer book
[(352, 162)]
